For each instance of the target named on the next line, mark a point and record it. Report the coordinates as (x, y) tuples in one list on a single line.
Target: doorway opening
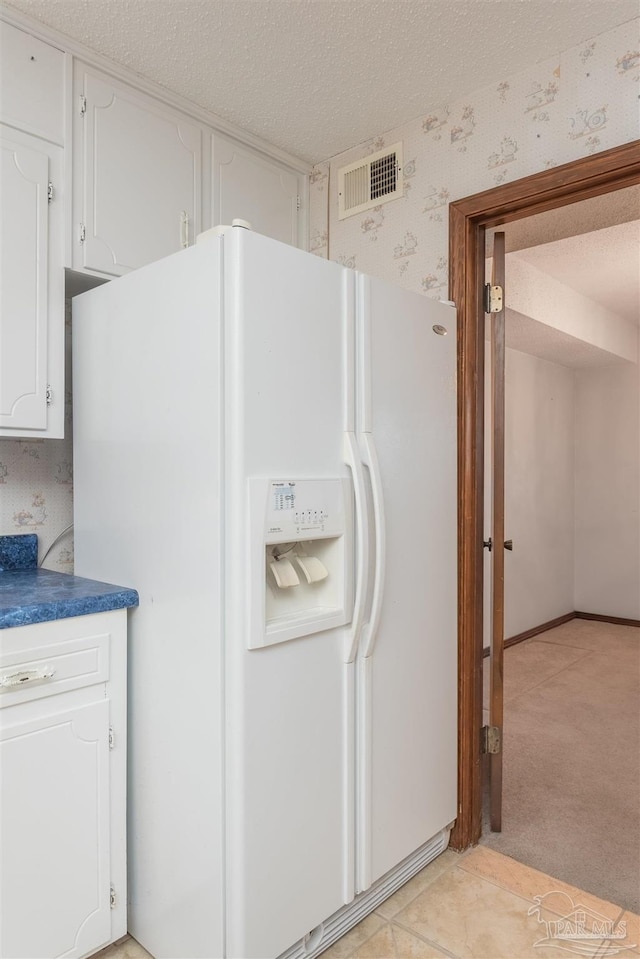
[(469, 219), (571, 743)]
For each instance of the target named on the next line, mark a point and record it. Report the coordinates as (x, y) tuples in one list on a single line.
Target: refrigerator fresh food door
[(407, 659), (289, 693)]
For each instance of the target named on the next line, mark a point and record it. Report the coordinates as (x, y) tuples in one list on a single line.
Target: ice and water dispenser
[(301, 557)]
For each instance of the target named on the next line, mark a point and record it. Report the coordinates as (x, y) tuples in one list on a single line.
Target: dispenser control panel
[(298, 508)]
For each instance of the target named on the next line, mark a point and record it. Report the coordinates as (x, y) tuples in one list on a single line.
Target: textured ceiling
[(585, 216), (316, 77), (603, 266)]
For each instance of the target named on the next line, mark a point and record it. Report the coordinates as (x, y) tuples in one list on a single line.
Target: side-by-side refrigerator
[(265, 448)]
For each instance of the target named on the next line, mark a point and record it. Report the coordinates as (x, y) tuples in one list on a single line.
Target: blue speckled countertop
[(31, 595)]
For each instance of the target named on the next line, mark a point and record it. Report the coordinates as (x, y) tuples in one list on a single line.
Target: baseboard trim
[(534, 631), (616, 620), (576, 614)]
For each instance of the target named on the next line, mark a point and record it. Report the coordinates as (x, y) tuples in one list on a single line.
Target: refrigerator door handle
[(370, 629), (354, 462)]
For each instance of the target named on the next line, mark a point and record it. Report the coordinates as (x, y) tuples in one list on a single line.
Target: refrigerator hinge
[(493, 299), (83, 105), (491, 741), (112, 896)]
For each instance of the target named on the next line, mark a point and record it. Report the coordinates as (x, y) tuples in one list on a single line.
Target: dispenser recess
[(301, 558)]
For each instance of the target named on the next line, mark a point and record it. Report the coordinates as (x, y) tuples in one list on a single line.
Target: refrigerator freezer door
[(289, 705), (406, 671)]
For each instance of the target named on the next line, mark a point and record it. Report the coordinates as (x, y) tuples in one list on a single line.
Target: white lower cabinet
[(62, 787)]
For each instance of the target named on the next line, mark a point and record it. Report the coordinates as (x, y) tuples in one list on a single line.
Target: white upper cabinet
[(31, 287), (32, 185), (249, 186), (137, 173), (32, 79)]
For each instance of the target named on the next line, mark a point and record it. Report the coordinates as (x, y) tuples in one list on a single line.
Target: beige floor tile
[(390, 907), (346, 946), (475, 919), (632, 928), (124, 949), (528, 883), (394, 942)]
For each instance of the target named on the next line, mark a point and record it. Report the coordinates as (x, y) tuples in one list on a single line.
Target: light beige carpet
[(571, 802)]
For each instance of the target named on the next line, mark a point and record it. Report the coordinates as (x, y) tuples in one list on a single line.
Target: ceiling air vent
[(370, 182)]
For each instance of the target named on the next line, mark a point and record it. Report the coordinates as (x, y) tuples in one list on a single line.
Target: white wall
[(572, 492), (607, 491), (539, 492)]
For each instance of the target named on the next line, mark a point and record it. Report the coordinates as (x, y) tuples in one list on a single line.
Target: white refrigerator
[(265, 448)]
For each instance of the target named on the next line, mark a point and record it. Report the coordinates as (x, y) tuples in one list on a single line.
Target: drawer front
[(56, 668)]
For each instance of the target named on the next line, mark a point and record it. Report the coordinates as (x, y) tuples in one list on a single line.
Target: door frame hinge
[(493, 299), (50, 192), (83, 105), (113, 899), (112, 738), (491, 739), (82, 233)]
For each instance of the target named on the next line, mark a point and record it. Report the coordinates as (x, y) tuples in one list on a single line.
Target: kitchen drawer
[(51, 668)]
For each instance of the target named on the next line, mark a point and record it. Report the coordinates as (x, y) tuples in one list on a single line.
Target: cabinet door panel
[(54, 830), (250, 187), (24, 174), (32, 84), (141, 179)]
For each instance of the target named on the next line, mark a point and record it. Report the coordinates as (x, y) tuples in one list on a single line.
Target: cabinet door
[(251, 187), (24, 174), (54, 830), (139, 168), (32, 84)]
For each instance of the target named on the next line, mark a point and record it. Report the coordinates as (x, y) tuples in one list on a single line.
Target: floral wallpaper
[(577, 102), (36, 484)]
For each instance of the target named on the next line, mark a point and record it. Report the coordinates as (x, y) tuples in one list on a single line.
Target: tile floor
[(480, 905)]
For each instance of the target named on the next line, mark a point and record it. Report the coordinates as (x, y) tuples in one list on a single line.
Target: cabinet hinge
[(112, 896), (493, 299), (82, 233), (50, 192), (491, 739), (298, 204), (49, 395), (112, 738), (83, 105)]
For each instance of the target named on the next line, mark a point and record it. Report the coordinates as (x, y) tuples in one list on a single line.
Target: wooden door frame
[(468, 219)]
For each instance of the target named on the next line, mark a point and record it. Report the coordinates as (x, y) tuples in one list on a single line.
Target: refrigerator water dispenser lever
[(284, 573), (313, 568)]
